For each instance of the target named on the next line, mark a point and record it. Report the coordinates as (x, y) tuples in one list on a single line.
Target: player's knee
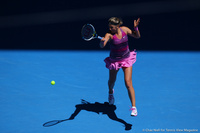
[(128, 83), (111, 83)]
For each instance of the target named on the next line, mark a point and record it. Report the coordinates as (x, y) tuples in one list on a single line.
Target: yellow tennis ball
[(53, 82)]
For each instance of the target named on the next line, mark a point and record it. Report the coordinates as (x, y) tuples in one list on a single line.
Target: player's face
[(113, 28)]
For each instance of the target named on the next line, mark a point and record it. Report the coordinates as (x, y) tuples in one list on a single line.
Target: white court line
[(147, 8)]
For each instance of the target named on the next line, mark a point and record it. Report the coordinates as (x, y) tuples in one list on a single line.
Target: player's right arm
[(105, 40)]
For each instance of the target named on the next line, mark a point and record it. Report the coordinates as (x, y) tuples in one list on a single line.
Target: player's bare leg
[(111, 83), (129, 86)]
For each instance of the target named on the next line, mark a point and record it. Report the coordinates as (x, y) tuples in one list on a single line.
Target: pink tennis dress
[(120, 55)]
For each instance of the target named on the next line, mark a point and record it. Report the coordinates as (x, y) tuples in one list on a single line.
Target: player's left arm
[(136, 32)]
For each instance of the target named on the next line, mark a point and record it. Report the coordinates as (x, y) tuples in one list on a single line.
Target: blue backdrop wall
[(23, 25)]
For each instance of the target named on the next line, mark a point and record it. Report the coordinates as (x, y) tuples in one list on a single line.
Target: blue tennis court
[(166, 85)]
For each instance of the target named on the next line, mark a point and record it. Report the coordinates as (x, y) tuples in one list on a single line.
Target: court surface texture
[(166, 85)]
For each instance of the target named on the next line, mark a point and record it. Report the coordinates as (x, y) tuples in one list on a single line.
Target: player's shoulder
[(124, 28), (109, 33)]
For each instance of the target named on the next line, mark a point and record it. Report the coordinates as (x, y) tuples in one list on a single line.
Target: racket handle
[(100, 37)]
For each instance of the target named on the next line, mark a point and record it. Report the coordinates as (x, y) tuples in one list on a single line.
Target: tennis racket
[(88, 32)]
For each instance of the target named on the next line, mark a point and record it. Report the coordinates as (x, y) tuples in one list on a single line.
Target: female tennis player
[(120, 56)]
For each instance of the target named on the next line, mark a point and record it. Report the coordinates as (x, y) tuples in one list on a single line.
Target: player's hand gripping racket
[(88, 32)]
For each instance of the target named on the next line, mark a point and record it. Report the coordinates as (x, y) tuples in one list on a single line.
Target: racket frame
[(94, 34)]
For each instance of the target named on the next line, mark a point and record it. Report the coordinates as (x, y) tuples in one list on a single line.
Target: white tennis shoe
[(133, 111)]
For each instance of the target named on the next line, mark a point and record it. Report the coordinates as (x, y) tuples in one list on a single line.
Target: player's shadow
[(98, 108)]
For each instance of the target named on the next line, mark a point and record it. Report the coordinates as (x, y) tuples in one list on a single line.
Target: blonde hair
[(115, 21)]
